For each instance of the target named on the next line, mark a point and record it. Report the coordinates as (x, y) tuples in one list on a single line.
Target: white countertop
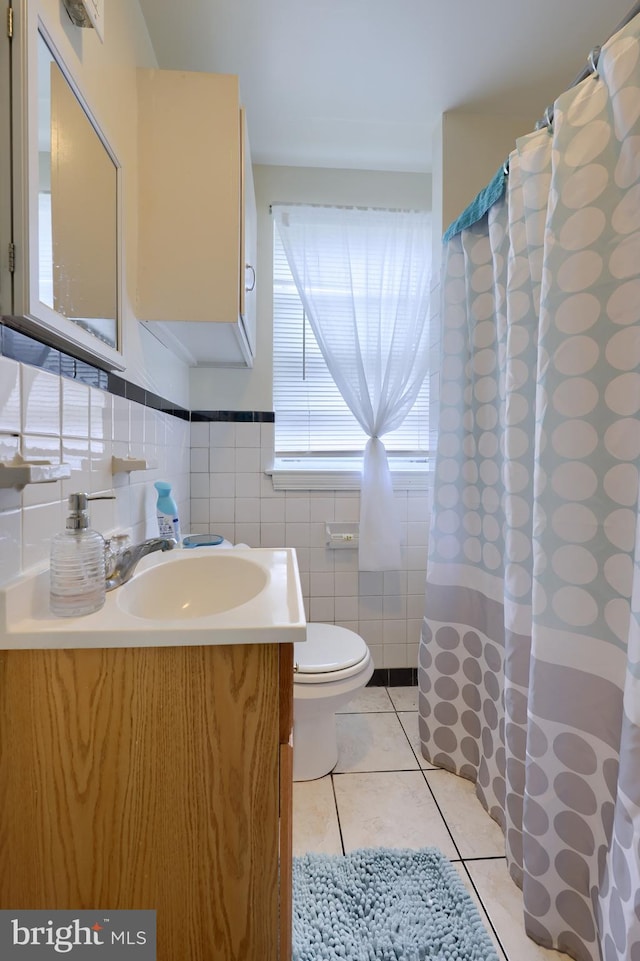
[(274, 616)]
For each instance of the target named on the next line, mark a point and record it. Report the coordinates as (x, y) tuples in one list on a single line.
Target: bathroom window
[(318, 441)]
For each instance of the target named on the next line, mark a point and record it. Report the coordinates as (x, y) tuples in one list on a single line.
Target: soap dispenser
[(77, 573)]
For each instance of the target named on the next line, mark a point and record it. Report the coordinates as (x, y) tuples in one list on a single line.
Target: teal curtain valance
[(480, 204)]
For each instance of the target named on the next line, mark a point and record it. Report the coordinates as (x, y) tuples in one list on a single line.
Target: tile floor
[(383, 793)]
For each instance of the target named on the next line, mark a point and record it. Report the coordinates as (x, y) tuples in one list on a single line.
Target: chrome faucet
[(120, 566)]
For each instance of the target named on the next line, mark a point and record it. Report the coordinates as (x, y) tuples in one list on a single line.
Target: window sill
[(335, 474)]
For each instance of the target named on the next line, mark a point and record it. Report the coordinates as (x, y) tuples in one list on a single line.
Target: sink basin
[(196, 587)]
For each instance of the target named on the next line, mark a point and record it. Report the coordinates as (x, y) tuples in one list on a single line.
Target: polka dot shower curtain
[(530, 654)]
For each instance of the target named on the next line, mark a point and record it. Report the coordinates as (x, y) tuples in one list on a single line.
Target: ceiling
[(363, 83)]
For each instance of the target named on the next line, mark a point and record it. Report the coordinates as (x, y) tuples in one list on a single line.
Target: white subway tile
[(322, 508), (222, 460), (121, 414), (297, 509), (371, 631), (136, 428), (321, 559), (346, 581), (9, 446), (416, 558), (415, 606), (76, 453), (346, 560), (222, 434), (369, 607), (75, 408), (394, 606), (100, 414), (247, 510), (247, 460), (224, 530), (394, 582), (394, 632), (346, 608), (247, 534), (376, 654), (272, 510), (248, 434), (199, 460), (101, 478), (247, 485), (199, 435), (322, 584), (415, 582), (221, 510), (41, 448), (414, 629), (40, 401), (321, 609), (297, 535), (267, 437), (222, 485), (10, 544), (39, 524), (396, 655), (200, 485), (272, 535), (200, 510), (347, 509), (371, 582), (9, 395)]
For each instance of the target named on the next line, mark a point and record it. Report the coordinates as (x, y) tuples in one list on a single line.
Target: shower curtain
[(529, 663)]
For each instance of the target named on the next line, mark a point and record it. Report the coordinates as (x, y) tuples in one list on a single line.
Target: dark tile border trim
[(238, 416), (21, 347), (394, 677)]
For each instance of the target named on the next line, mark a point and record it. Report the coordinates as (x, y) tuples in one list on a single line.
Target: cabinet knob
[(253, 277)]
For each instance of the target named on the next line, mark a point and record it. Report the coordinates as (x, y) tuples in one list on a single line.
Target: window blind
[(310, 415)]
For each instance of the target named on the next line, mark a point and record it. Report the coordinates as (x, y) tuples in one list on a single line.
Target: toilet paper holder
[(342, 534)]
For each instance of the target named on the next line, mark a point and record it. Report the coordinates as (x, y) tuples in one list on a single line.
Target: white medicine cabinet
[(60, 267)]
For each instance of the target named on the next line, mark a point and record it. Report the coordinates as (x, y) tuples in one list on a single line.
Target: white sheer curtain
[(364, 277)]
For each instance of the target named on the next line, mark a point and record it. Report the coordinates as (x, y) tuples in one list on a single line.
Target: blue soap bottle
[(167, 512)]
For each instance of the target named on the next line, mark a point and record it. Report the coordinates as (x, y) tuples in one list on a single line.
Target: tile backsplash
[(232, 496), (46, 416)]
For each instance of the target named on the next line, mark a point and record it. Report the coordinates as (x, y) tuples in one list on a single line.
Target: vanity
[(146, 760)]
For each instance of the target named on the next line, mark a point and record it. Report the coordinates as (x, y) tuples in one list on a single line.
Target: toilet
[(330, 667)]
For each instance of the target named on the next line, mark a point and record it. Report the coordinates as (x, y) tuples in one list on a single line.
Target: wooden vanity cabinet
[(157, 778), (197, 224)]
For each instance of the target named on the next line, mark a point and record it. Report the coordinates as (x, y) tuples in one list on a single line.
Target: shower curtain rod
[(496, 188), (547, 119)]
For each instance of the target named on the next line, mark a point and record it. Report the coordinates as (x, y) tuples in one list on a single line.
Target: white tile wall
[(231, 495), (46, 416)]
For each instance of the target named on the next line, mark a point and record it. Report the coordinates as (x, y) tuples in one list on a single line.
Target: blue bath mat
[(378, 904)]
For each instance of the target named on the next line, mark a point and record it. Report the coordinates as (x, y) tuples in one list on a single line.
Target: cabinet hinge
[(10, 22), (12, 258)]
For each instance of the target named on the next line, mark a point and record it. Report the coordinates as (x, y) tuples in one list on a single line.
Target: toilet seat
[(330, 653)]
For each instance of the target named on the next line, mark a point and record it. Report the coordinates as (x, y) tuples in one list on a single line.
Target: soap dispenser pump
[(77, 572)]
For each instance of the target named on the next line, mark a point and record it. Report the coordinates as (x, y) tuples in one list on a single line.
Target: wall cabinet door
[(196, 217)]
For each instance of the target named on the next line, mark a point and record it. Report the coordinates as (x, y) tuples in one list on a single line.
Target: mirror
[(77, 259)]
